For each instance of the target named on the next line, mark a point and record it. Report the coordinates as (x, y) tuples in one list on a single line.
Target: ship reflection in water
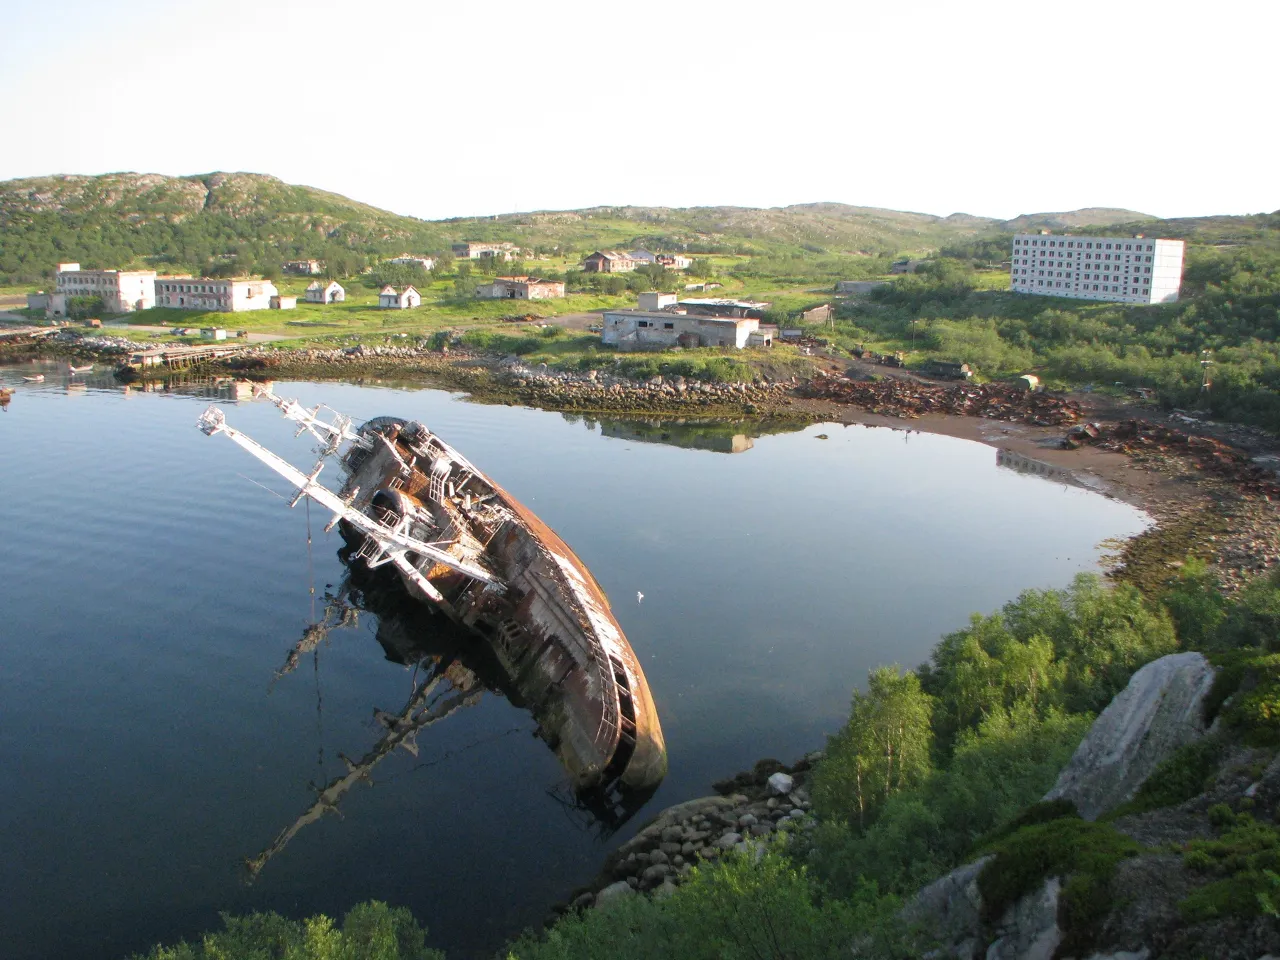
[(453, 669)]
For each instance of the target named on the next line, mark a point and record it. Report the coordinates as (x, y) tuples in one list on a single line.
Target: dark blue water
[(149, 590)]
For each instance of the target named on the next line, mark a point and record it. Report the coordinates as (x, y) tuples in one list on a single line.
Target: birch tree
[(883, 748)]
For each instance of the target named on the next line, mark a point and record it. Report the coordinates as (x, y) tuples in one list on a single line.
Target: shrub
[(1184, 775), (742, 908), (369, 931), (1086, 853), (1245, 861)]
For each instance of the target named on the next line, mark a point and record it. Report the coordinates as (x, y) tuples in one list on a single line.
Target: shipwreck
[(465, 547)]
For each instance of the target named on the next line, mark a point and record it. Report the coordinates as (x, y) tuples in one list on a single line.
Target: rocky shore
[(747, 811), (1210, 498)]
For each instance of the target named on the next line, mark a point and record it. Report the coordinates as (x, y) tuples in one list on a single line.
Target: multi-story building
[(1123, 269), (122, 291), (206, 293)]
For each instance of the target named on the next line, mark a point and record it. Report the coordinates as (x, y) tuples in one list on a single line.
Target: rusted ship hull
[(465, 546), (550, 625)]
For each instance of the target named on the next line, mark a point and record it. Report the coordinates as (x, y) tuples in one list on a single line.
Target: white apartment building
[(205, 293), (122, 291), (1122, 269)]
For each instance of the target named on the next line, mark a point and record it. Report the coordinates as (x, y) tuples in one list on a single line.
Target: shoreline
[(1224, 515)]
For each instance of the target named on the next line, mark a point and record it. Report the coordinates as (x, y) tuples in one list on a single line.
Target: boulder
[(1029, 928), (780, 783), (613, 891), (948, 912), (1158, 712)]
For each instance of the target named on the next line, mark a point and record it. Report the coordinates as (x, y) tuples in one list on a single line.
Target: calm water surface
[(151, 588)]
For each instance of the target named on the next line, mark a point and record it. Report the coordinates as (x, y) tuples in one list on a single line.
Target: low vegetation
[(939, 766)]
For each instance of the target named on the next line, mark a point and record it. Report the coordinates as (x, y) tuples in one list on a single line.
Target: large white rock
[(1158, 712)]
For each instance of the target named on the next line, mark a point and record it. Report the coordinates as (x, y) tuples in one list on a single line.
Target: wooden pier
[(181, 358)]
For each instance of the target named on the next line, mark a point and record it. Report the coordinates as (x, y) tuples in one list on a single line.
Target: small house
[(213, 333), (632, 329), (520, 288), (610, 261), (282, 302), (332, 292), (674, 261), (657, 301), (391, 299)]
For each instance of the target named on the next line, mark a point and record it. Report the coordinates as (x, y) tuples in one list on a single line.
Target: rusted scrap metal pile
[(907, 398), (1213, 457)]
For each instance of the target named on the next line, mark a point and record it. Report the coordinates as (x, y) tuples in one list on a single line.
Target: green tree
[(883, 748)]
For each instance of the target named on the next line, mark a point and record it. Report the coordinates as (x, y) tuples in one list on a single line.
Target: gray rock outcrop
[(1158, 712), (948, 913), (1029, 929)]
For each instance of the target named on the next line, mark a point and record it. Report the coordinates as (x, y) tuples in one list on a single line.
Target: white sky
[(440, 109)]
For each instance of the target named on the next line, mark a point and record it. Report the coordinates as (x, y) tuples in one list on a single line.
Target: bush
[(739, 909), (369, 931), (1087, 853), (1186, 774), (1246, 862)]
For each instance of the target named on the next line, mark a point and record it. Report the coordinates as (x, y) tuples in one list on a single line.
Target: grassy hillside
[(222, 223)]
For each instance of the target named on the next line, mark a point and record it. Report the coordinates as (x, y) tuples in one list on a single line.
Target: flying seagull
[(639, 597)]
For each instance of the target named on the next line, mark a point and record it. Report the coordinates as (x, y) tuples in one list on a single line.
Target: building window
[(668, 326)]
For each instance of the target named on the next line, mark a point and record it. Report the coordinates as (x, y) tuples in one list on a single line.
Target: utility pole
[(1206, 380)]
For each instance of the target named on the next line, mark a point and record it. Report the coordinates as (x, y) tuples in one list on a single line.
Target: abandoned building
[(638, 328), (409, 260), (819, 314), (282, 302), (207, 293), (610, 261), (657, 301), (710, 307), (478, 250), (305, 267), (406, 299), (332, 292), (858, 287), (121, 291), (906, 266), (520, 288)]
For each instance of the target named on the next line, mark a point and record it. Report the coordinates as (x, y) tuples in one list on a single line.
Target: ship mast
[(393, 542), (330, 435)]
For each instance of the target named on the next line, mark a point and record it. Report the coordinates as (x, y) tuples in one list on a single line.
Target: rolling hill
[(238, 222)]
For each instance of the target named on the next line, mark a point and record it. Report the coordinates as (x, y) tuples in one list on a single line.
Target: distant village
[(1132, 270)]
